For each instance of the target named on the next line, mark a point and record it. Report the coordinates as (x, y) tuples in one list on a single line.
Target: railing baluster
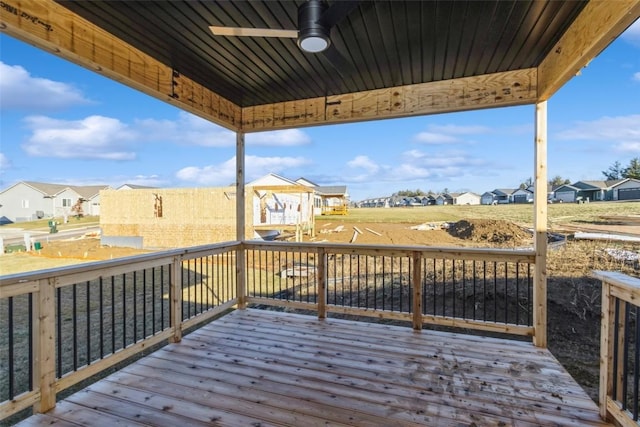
[(135, 307), (113, 315), (101, 315), (625, 352), (88, 308), (74, 322), (636, 367), (10, 349), (144, 304)]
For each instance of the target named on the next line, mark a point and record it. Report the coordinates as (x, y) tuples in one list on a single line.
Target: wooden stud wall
[(190, 216)]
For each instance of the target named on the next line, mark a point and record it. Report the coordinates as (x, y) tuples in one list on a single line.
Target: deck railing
[(68, 324), (64, 325), (620, 348), (487, 289)]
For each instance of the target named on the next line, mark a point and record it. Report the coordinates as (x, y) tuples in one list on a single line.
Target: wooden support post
[(416, 283), (44, 350), (176, 299), (540, 227), (241, 285), (606, 348), (321, 274)]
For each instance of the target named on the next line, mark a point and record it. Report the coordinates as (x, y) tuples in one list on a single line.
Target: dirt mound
[(489, 230)]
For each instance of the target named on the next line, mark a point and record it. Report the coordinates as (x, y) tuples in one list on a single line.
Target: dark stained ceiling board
[(382, 43)]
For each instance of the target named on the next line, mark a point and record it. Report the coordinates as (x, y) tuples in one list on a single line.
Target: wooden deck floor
[(262, 368)]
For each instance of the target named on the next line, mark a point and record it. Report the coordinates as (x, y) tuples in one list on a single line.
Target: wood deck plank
[(256, 367)]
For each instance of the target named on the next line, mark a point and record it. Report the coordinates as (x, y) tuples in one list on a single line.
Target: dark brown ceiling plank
[(184, 32), (599, 23), (469, 93), (67, 35)]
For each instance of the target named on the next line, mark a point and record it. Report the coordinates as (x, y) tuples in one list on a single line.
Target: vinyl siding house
[(488, 198), (504, 195), (589, 191), (466, 198), (522, 195), (628, 189), (29, 200)]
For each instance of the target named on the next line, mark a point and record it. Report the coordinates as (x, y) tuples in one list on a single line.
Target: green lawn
[(43, 224), (518, 213)]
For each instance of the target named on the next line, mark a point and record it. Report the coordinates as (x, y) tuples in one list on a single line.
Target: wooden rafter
[(598, 24), (53, 28), (470, 93)]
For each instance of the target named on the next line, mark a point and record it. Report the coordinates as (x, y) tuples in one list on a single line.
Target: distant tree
[(77, 209), (445, 190), (409, 193), (615, 171), (557, 181), (633, 170), (526, 183)]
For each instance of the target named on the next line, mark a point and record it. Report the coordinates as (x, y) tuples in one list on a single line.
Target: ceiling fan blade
[(253, 32), (342, 65), (337, 11)]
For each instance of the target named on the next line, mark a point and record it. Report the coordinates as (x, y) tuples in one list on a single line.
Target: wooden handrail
[(615, 286)]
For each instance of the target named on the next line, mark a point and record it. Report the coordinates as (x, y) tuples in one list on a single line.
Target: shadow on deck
[(260, 368)]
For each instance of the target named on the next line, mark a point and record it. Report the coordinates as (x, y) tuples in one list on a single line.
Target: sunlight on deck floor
[(262, 368)]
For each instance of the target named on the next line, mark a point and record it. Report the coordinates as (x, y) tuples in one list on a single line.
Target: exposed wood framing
[(599, 23), (53, 28), (241, 290), (493, 90), (540, 227), (45, 345)]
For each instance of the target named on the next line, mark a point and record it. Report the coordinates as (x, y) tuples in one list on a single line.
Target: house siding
[(630, 190), (15, 210)]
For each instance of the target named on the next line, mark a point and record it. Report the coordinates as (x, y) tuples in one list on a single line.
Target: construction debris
[(374, 232), (623, 255), (357, 229), (605, 236), (427, 226)]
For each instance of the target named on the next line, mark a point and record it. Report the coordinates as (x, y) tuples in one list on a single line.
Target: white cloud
[(414, 165), (225, 173), (189, 129), (623, 132), (636, 76), (448, 134), (278, 138), (94, 137), (4, 162), (364, 162), (435, 138), (20, 90), (632, 34)]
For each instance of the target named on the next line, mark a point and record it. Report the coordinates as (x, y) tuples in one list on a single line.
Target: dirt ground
[(574, 297)]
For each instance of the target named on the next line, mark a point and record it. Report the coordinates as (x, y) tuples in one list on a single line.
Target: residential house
[(522, 195), (488, 198), (466, 198), (504, 195), (444, 199), (29, 200), (328, 199), (627, 189), (588, 191), (134, 187)]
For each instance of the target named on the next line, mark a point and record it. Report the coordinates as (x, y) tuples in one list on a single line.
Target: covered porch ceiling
[(386, 59)]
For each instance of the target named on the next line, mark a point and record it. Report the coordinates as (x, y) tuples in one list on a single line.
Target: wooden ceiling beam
[(55, 29), (599, 23), (463, 94)]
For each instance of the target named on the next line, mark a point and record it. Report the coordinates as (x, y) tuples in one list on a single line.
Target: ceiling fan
[(315, 20)]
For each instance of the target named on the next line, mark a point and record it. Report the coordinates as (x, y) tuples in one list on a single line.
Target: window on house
[(25, 204), (66, 203)]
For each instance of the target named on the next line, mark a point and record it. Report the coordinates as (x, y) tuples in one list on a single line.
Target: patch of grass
[(43, 224), (518, 213)]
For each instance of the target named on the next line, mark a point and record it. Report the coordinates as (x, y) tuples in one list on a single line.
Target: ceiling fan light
[(313, 37), (313, 44)]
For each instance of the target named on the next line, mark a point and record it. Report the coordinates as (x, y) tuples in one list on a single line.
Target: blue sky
[(63, 124)]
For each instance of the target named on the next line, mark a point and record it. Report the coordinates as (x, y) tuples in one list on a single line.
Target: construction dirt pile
[(491, 231)]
